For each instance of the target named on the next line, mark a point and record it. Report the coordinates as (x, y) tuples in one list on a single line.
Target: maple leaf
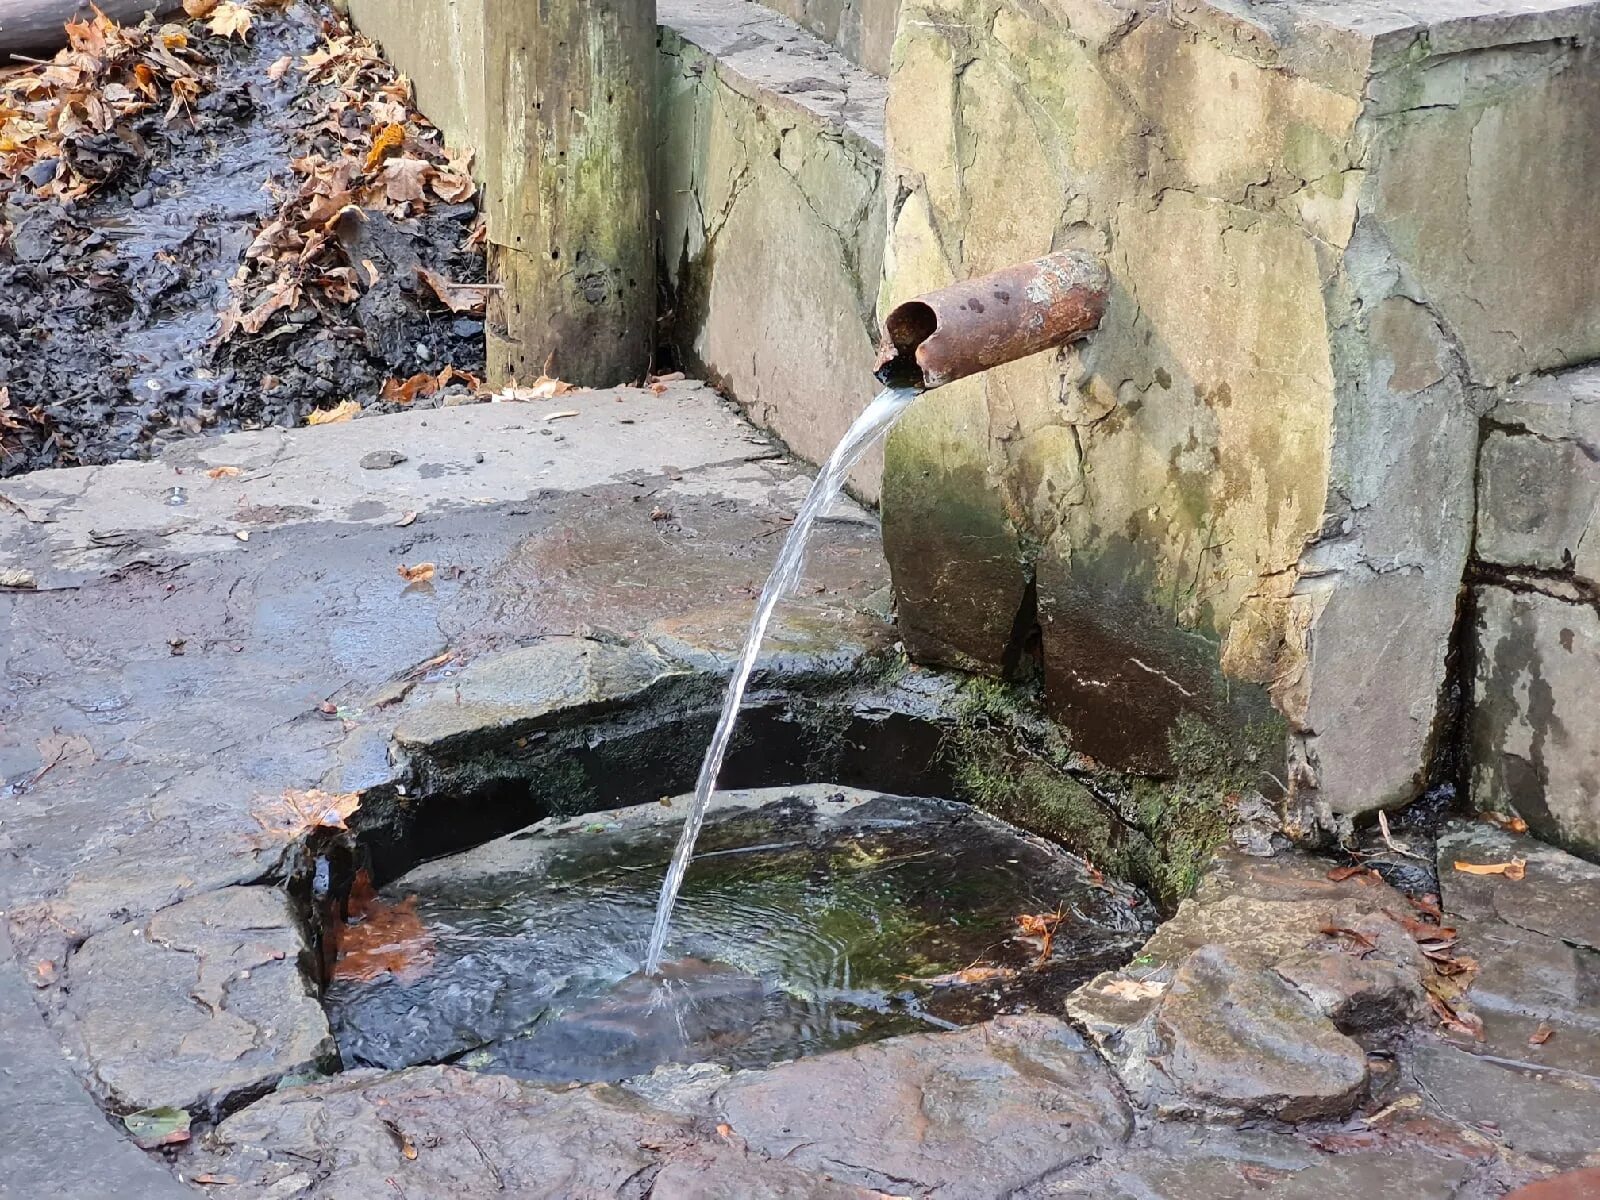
[(299, 812), (405, 178), (231, 20)]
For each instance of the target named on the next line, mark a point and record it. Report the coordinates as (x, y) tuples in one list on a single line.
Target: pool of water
[(812, 918)]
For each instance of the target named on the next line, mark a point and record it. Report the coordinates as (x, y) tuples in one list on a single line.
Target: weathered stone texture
[(1260, 470), (200, 1007), (862, 30), (771, 218), (1535, 736), (972, 1114)]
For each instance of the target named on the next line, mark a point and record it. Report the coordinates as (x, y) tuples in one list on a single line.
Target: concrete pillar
[(569, 88)]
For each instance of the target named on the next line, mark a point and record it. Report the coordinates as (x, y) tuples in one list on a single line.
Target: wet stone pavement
[(198, 695)]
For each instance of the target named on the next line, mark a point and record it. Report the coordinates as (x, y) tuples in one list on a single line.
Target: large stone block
[(771, 218), (1257, 476), (1535, 736)]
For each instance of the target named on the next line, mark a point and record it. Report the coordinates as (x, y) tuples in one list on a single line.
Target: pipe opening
[(908, 326)]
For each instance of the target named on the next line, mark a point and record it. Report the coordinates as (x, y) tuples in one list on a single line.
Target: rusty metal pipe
[(1010, 314)]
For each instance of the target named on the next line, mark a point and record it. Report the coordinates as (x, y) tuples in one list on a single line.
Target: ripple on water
[(803, 926)]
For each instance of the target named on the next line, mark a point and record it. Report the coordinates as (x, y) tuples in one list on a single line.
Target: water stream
[(868, 428)]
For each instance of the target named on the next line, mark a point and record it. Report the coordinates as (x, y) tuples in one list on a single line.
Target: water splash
[(871, 425)]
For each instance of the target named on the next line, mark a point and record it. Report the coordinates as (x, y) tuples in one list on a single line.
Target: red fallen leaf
[(1423, 931), (1541, 1035), (1340, 874), (1452, 1018), (1516, 869), (379, 937), (1448, 966), (1355, 935), (404, 391)]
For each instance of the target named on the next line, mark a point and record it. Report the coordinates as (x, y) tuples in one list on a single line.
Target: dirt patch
[(159, 186)]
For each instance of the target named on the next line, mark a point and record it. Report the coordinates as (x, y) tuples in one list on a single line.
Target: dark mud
[(110, 304)]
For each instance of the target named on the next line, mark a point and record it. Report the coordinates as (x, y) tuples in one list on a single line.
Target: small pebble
[(141, 199), (380, 460)]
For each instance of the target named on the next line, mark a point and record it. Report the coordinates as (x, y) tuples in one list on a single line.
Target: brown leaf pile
[(80, 110), (371, 151)]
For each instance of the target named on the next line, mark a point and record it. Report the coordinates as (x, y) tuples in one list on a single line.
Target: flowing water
[(871, 425), (816, 917)]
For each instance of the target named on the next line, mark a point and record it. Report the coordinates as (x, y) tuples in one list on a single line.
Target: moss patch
[(1159, 832)]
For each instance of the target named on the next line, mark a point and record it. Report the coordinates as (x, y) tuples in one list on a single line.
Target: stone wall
[(861, 30), (772, 211), (438, 45), (1335, 236), (1535, 727)]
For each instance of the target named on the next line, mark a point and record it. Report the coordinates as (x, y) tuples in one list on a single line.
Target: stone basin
[(812, 918)]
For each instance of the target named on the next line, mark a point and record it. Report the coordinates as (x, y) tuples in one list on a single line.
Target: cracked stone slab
[(1214, 1164), (58, 1144), (66, 524), (202, 1006), (1547, 1115), (972, 1114), (518, 691), (1558, 896), (1534, 727), (440, 1133)]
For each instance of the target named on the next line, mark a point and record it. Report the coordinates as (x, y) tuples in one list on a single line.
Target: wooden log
[(569, 91), (34, 26)]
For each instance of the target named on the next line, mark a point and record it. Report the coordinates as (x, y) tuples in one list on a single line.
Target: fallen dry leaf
[(404, 391), (230, 20), (724, 1131), (1354, 935), (457, 297), (280, 68), (1340, 874), (342, 411), (223, 472), (298, 812), (405, 178), (556, 416), (543, 388), (420, 573), (380, 937), (1541, 1035), (199, 9), (965, 977), (1507, 821), (406, 518), (1517, 868)]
